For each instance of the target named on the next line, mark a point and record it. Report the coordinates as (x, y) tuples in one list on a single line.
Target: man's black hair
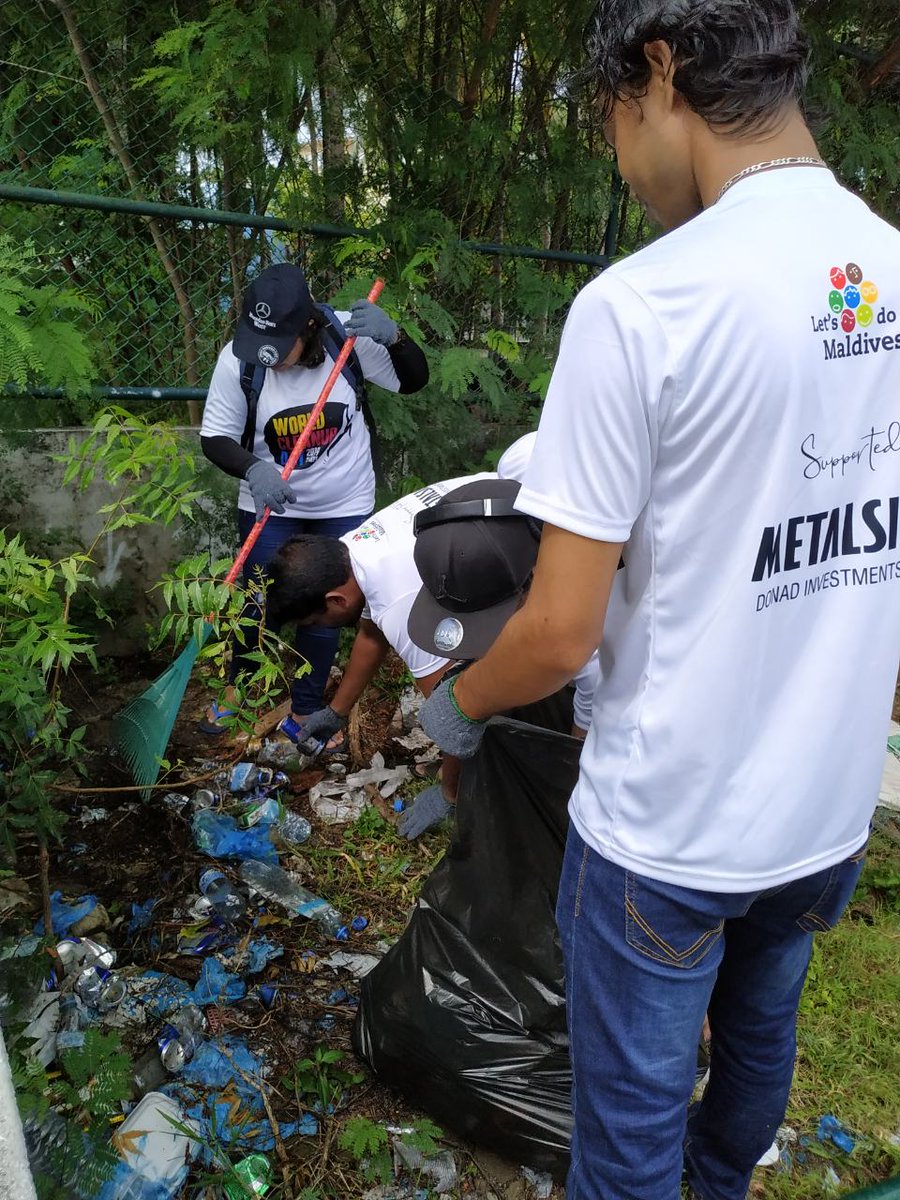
[(304, 570), (737, 62)]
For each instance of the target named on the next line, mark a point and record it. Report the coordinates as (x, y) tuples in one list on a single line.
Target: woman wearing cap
[(281, 355)]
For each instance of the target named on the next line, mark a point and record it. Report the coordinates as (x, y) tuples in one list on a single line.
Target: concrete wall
[(55, 520)]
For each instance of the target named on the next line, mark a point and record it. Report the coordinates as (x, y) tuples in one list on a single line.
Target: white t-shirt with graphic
[(381, 557), (727, 403), (334, 476)]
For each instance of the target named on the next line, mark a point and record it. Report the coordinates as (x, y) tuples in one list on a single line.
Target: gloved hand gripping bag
[(465, 1015)]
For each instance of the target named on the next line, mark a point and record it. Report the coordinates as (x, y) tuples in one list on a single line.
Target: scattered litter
[(257, 954), (275, 752), (771, 1156), (156, 1145), (358, 924), (540, 1183), (277, 886), (13, 893), (831, 1130), (416, 739), (88, 816), (65, 915), (141, 916), (357, 964), (440, 1167), (219, 836), (342, 800), (268, 994), (411, 701), (252, 1176), (236, 1115), (392, 1192), (176, 801), (93, 922), (216, 985), (41, 1022), (832, 1180)]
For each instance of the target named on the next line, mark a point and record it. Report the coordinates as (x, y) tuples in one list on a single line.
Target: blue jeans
[(317, 644), (644, 962)]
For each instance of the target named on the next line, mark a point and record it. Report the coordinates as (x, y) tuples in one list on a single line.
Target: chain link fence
[(156, 159)]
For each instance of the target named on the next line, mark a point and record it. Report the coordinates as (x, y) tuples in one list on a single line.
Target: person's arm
[(410, 364), (229, 456), (370, 648), (550, 638)]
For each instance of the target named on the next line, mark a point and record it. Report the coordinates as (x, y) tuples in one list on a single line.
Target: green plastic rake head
[(142, 730)]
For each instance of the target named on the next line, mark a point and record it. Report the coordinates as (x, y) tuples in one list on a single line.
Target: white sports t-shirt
[(727, 402), (334, 476), (381, 557)]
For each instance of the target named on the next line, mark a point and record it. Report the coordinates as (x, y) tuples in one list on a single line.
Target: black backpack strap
[(253, 376), (333, 337)]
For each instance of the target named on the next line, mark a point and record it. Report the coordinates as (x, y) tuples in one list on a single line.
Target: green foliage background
[(423, 125)]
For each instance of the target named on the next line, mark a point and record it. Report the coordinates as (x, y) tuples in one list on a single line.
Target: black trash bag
[(465, 1015)]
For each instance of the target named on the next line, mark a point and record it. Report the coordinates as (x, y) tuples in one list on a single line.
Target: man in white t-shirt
[(726, 407)]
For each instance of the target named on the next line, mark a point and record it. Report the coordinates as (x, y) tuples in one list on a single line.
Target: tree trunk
[(334, 150), (886, 65), (481, 56), (121, 152)]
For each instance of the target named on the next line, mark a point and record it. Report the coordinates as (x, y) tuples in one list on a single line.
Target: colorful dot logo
[(851, 296)]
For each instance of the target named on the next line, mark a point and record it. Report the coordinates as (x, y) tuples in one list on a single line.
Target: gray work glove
[(429, 808), (267, 488), (368, 320), (323, 724), (444, 722)]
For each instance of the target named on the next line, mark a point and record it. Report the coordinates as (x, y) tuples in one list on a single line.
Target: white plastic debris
[(771, 1156), (411, 701), (88, 816), (153, 1146), (357, 964), (889, 793), (440, 1167), (539, 1183), (338, 801)]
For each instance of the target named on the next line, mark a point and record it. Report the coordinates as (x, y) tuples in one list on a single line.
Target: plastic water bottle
[(226, 900), (276, 885), (101, 989), (306, 743), (290, 825)]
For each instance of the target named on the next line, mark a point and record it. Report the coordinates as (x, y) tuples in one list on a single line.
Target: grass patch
[(848, 1060)]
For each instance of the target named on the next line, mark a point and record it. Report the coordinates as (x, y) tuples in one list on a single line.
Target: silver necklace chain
[(771, 165)]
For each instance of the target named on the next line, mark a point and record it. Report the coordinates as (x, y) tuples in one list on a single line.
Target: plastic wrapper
[(466, 1013)]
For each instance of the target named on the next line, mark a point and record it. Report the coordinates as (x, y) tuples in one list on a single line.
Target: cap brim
[(479, 630), (245, 344)]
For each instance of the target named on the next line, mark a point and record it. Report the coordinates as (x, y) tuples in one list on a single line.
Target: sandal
[(210, 723)]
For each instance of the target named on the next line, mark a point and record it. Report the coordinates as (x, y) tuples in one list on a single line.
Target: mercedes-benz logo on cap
[(263, 310), (268, 355), (448, 634)]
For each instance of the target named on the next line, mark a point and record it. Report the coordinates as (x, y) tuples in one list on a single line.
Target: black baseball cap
[(275, 311), (475, 553)]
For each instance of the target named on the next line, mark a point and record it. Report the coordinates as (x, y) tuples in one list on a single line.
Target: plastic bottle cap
[(342, 934), (208, 878), (359, 923)]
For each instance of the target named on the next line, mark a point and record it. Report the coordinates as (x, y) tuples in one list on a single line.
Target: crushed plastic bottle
[(226, 901), (101, 989), (276, 885), (247, 777), (252, 1176), (290, 825)]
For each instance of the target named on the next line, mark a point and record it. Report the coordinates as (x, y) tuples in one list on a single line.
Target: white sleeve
[(225, 410), (590, 469), (515, 458), (374, 359), (393, 624), (585, 685)]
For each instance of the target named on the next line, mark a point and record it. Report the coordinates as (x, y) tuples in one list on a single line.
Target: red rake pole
[(303, 440)]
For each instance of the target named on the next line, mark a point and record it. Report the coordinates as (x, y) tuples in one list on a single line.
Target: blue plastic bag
[(220, 836)]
